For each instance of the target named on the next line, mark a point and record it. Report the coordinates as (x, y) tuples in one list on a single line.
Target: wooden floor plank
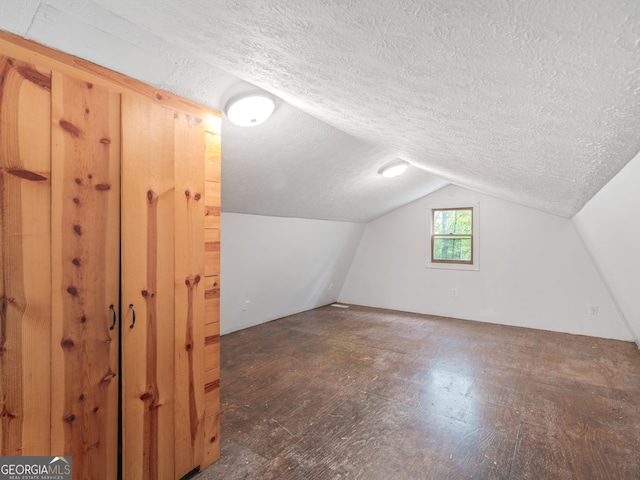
[(376, 394)]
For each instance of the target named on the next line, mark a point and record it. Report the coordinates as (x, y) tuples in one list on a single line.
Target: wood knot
[(105, 141), (158, 96), (145, 396), (76, 262), (213, 439), (71, 290), (89, 176), (108, 377), (83, 319), (35, 77), (150, 196), (89, 85), (81, 397), (86, 110), (197, 196), (26, 174), (70, 418), (7, 414), (187, 193), (78, 181), (197, 279), (188, 347), (70, 128), (77, 229), (67, 343), (95, 409), (187, 282), (145, 293), (76, 200), (102, 187)]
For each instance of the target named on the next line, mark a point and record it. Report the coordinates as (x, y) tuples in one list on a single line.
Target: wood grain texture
[(189, 293), (212, 299), (148, 254), (212, 330), (212, 438), (25, 257), (377, 394), (85, 215), (213, 159), (212, 391), (212, 252), (211, 352), (212, 204)]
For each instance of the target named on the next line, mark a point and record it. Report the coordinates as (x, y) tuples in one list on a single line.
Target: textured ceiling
[(535, 101)]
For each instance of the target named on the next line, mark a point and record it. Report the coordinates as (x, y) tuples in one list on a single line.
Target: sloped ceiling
[(536, 102)]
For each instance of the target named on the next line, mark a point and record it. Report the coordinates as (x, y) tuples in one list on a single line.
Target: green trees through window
[(452, 235)]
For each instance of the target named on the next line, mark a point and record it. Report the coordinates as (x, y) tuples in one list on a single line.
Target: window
[(452, 235)]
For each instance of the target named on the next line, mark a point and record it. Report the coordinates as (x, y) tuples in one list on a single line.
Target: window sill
[(453, 266)]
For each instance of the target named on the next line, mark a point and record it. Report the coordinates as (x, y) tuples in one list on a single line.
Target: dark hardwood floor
[(362, 393)]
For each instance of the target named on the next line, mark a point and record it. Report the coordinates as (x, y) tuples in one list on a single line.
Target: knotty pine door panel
[(162, 280), (25, 257), (85, 219), (147, 289), (189, 292)]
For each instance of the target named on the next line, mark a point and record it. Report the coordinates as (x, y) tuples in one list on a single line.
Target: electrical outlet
[(245, 305), (593, 309), (454, 293)]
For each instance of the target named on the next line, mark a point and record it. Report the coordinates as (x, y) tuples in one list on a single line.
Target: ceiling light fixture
[(250, 109), (394, 169)]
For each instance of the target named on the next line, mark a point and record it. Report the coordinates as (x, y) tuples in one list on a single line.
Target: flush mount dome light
[(394, 169), (250, 109)]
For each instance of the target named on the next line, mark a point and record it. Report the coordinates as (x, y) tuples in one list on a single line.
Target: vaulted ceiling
[(533, 101)]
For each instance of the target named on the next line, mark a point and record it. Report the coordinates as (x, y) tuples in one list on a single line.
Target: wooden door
[(189, 292), (147, 289), (25, 257), (162, 281), (85, 219)]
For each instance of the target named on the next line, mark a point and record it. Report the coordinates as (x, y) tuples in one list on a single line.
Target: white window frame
[(476, 238)]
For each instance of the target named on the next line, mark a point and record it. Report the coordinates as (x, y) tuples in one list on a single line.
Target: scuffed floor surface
[(362, 393)]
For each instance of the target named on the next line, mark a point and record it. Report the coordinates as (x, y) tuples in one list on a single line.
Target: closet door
[(85, 220), (189, 293), (162, 285), (25, 257)]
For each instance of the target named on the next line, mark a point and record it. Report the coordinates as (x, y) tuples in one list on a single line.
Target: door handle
[(113, 310), (133, 313)]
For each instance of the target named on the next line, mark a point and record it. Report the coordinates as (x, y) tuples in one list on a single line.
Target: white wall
[(534, 270), (281, 266), (610, 229)]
